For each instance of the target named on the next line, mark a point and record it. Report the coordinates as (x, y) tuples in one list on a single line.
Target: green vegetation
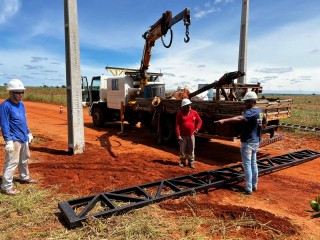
[(41, 94)]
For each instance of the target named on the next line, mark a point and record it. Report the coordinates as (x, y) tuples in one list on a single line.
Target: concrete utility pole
[(242, 63), (73, 75)]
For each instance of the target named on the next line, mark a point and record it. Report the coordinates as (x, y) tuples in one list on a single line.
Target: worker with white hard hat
[(253, 119), (188, 122), (17, 136)]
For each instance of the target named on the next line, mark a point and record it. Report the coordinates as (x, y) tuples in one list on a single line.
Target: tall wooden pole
[(242, 63), (73, 75)]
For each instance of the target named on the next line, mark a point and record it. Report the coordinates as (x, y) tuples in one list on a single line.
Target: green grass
[(41, 94)]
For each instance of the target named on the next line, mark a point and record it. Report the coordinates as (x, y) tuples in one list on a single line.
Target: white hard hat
[(185, 102), (15, 84), (250, 96)]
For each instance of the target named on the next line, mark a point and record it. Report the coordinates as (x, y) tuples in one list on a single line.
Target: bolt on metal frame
[(120, 201)]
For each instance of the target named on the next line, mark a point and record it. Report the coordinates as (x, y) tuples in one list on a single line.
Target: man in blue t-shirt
[(253, 119), (17, 136)]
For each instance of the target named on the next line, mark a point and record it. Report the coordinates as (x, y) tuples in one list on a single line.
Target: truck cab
[(108, 95), (113, 98)]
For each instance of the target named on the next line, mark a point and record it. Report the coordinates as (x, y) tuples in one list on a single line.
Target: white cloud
[(8, 8), (201, 12)]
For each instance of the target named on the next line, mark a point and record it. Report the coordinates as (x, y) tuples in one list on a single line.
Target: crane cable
[(171, 37)]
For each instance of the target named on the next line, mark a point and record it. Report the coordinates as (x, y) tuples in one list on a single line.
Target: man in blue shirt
[(253, 119), (17, 136)]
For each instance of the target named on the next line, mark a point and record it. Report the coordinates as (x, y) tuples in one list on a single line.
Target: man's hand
[(9, 146), (196, 131), (219, 121), (179, 139), (30, 138)]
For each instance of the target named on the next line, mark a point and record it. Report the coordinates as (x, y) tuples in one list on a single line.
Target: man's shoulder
[(194, 111), (252, 112), (5, 102)]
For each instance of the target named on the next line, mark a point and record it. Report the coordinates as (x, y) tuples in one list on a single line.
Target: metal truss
[(300, 127), (120, 201)]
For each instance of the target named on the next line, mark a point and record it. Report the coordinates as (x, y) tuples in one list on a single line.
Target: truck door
[(85, 91), (95, 89)]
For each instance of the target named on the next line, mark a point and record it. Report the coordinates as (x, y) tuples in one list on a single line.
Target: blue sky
[(283, 46)]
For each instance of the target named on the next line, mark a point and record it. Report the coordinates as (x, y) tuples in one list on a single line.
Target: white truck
[(113, 98)]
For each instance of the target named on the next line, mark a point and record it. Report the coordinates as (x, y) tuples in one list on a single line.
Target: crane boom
[(156, 31)]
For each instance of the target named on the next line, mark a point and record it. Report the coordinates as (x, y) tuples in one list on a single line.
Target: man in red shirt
[(188, 122)]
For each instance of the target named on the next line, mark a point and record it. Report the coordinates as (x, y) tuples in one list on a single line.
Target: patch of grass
[(30, 213)]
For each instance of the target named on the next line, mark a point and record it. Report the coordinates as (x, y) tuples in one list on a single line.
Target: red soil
[(112, 161)]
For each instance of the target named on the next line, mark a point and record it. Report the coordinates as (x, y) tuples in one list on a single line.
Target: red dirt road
[(113, 161)]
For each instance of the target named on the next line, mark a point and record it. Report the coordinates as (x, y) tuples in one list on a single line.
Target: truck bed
[(274, 110), (211, 111)]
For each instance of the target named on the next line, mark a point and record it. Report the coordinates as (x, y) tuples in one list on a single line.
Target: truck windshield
[(95, 84)]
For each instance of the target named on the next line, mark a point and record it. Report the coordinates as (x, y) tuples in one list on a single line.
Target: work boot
[(246, 192), (27, 181), (10, 191), (182, 164), (191, 165)]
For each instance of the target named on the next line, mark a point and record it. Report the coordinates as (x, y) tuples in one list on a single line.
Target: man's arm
[(231, 120), (5, 126), (178, 126), (198, 122)]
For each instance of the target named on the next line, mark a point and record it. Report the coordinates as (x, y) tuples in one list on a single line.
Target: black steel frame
[(120, 201)]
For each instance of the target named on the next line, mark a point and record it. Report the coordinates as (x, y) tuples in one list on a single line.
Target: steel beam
[(301, 127), (120, 201)]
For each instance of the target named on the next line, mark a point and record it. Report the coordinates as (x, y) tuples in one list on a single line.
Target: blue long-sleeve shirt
[(13, 121)]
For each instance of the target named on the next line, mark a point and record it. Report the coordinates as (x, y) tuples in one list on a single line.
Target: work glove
[(30, 137), (9, 146)]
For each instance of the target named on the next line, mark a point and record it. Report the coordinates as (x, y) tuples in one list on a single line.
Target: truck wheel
[(132, 121), (168, 131), (97, 118)]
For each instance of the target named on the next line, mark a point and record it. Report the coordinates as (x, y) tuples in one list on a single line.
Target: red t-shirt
[(186, 124)]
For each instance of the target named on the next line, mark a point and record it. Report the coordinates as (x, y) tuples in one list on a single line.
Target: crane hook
[(187, 38)]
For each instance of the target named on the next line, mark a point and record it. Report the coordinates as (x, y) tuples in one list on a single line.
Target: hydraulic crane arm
[(157, 30), (227, 78)]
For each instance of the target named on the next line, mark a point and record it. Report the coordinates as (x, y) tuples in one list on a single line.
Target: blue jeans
[(249, 164)]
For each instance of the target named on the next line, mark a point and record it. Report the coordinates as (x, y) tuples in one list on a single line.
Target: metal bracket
[(120, 201)]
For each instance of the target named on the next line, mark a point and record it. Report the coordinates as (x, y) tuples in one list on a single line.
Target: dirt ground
[(112, 161)]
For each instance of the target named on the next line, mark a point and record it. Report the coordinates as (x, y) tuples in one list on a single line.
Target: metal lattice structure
[(301, 127), (120, 201)]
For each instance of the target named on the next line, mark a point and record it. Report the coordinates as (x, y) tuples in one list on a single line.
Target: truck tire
[(97, 117), (168, 134), (132, 121)]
